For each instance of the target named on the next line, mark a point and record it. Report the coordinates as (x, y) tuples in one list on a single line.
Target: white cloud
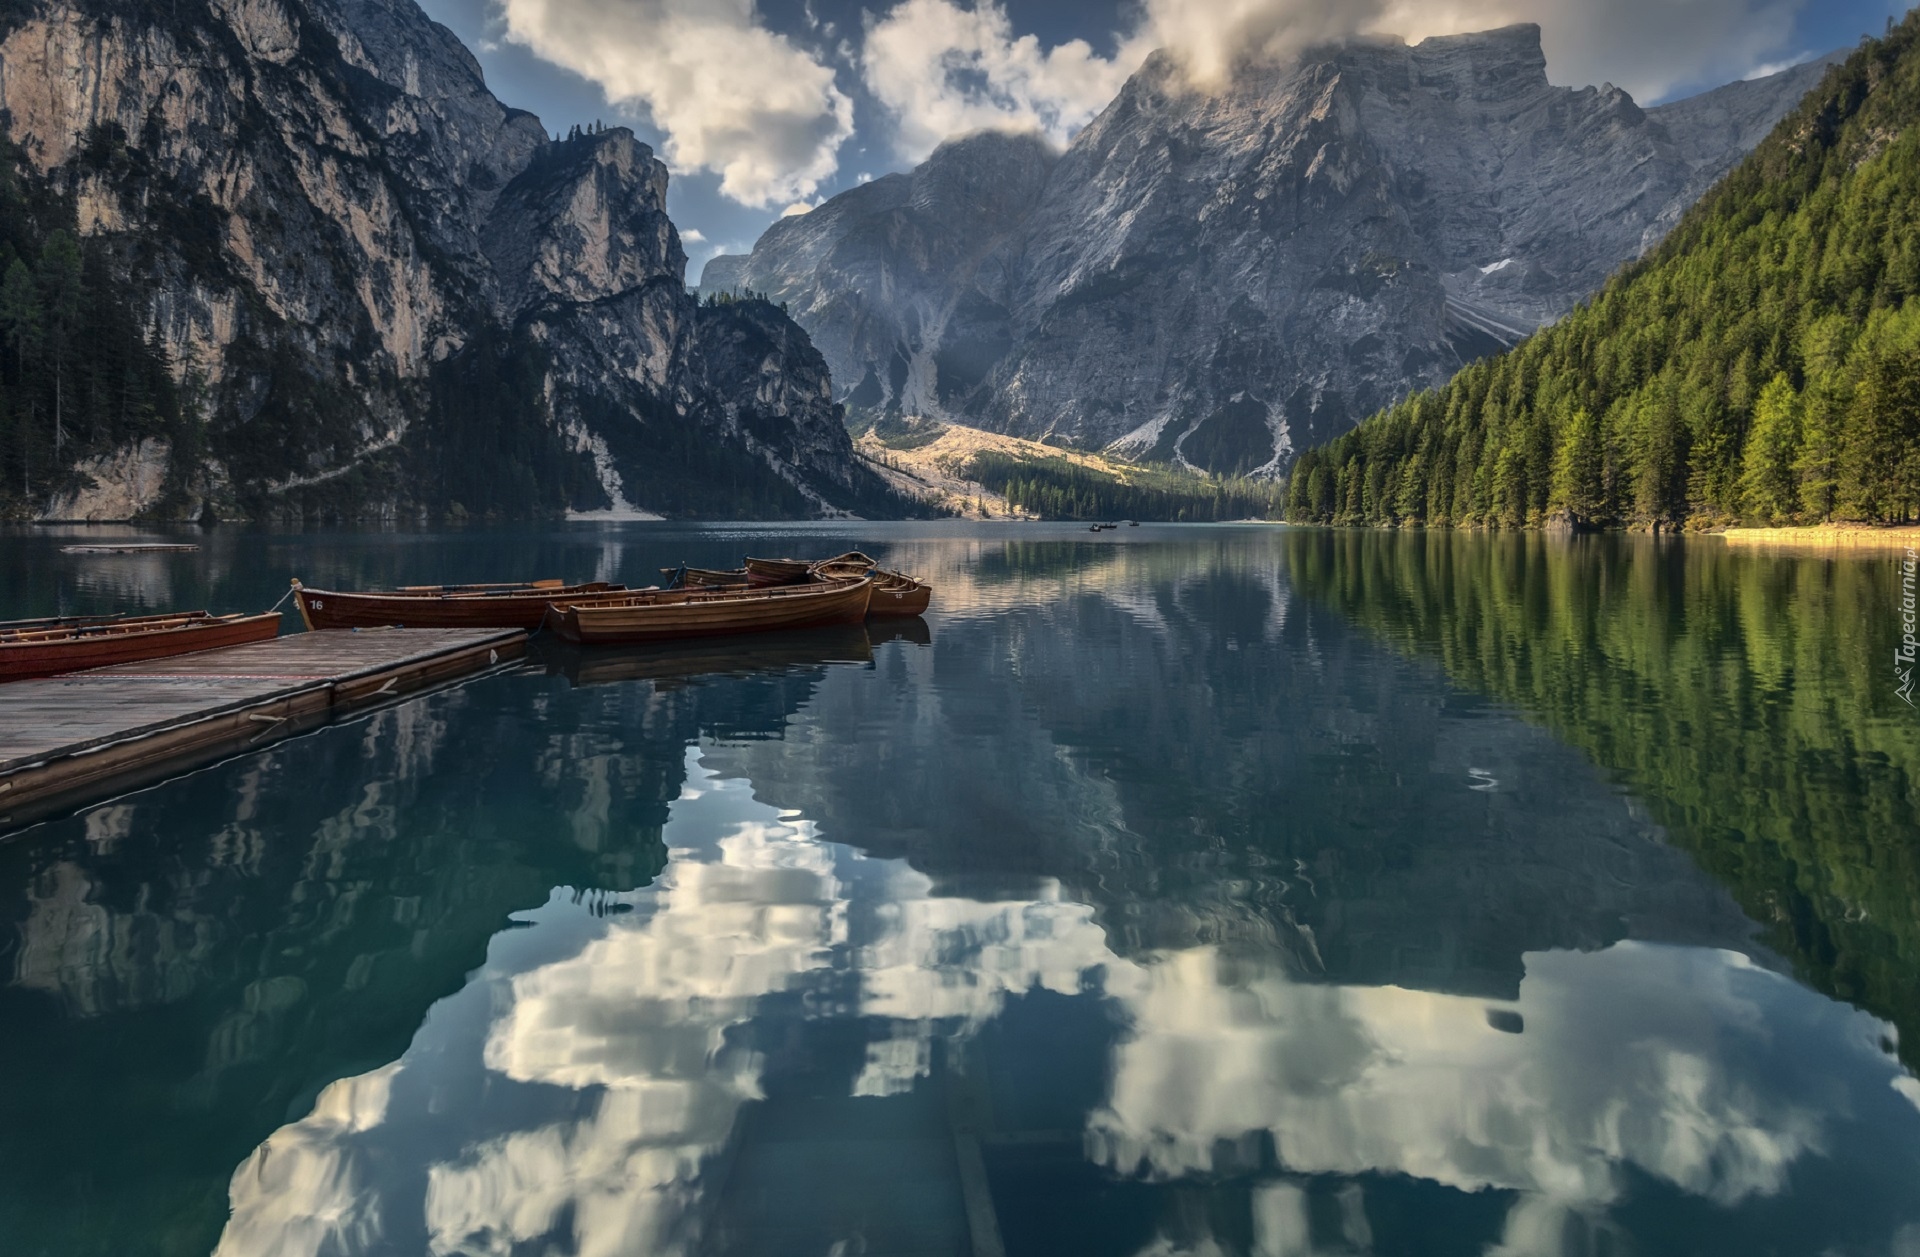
[(1764, 69), (944, 69), (1211, 36), (693, 235), (730, 96), (1649, 47)]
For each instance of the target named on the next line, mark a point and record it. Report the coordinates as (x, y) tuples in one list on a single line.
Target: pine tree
[(1769, 486), (1577, 468), (61, 296)]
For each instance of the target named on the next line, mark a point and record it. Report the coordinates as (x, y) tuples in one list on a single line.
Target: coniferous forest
[(1761, 366), (79, 374)]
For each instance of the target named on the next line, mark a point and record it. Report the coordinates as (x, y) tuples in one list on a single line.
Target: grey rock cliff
[(904, 282), (331, 218), (1221, 279)]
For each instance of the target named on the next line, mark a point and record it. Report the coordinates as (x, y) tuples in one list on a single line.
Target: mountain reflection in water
[(1149, 908)]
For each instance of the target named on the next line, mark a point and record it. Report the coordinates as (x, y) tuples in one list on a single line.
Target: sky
[(765, 107)]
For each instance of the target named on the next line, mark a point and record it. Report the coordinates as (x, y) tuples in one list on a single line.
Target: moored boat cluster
[(761, 596)]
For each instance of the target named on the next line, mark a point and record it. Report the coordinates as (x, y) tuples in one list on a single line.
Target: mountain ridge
[(1220, 279)]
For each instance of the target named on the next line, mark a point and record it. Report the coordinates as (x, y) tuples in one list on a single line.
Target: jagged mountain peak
[(585, 220), (1486, 62)]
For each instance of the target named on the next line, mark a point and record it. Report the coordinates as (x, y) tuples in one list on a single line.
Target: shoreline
[(1828, 536)]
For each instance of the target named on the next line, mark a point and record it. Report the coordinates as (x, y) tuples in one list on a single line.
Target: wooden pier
[(68, 739)]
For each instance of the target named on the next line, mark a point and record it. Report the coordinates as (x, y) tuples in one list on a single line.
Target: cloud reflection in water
[(582, 1093)]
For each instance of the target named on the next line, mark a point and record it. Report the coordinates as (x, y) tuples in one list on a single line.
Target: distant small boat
[(40, 648), (141, 547), (521, 606), (662, 615)]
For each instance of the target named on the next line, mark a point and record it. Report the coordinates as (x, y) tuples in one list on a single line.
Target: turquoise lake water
[(1178, 890)]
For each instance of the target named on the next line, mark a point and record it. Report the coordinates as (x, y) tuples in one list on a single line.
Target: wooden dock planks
[(65, 738)]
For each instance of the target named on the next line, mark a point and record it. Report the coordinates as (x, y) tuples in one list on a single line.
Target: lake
[(1176, 890)]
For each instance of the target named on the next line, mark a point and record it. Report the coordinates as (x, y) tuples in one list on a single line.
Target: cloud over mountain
[(769, 110), (730, 96), (943, 69)]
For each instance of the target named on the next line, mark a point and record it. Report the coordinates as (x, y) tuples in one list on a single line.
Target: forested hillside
[(79, 373), (1762, 365)]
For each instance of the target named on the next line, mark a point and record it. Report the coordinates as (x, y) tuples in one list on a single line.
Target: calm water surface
[(1173, 891)]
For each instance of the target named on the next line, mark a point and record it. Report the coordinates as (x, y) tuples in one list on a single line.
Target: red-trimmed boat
[(50, 647)]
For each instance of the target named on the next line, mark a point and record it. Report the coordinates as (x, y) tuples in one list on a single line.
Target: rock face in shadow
[(1221, 278), (401, 294)]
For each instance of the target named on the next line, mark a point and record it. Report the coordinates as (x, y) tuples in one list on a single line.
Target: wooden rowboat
[(849, 566), (661, 615), (897, 595), (40, 648), (444, 606), (893, 593), (765, 572), (684, 577)]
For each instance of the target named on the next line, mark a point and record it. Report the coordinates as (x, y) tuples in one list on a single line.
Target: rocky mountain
[(1220, 279), (386, 291), (1732, 411)]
